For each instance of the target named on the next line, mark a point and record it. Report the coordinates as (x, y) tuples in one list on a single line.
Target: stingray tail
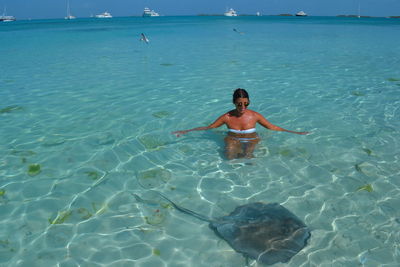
[(181, 209), (187, 211), (139, 199)]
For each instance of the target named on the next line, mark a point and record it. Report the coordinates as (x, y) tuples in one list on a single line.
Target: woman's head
[(241, 100), (240, 93)]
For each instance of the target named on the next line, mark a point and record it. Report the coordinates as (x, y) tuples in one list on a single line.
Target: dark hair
[(240, 93)]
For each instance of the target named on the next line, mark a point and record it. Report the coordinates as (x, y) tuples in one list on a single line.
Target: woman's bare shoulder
[(224, 117), (254, 113)]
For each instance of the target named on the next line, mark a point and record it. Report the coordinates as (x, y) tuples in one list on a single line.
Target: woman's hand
[(179, 133)]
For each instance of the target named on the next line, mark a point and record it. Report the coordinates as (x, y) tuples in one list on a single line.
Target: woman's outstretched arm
[(264, 122), (217, 123)]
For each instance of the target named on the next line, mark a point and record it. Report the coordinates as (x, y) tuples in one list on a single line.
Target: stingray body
[(268, 233)]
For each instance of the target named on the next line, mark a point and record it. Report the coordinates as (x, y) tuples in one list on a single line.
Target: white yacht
[(230, 13), (105, 15), (301, 14), (6, 18), (149, 13), (69, 16)]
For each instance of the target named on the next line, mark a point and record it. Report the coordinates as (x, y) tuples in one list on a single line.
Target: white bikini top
[(251, 130)]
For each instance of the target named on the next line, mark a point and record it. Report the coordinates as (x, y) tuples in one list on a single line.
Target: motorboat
[(301, 14), (69, 16), (149, 13), (105, 15), (230, 13)]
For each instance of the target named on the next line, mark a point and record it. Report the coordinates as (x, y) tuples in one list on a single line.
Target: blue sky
[(37, 9)]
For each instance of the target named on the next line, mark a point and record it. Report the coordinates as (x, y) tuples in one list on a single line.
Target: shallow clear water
[(87, 111)]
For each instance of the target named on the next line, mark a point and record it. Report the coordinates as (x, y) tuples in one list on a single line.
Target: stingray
[(268, 233)]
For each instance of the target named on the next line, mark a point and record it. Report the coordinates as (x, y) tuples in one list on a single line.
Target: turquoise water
[(87, 112)]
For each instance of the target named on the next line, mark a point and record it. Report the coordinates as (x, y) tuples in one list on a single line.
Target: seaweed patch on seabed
[(6, 245), (393, 80), (357, 93), (286, 152), (86, 214), (161, 114), (105, 139), (368, 151), (153, 178), (61, 217), (23, 154), (156, 218), (152, 142), (3, 199), (83, 213), (367, 187), (10, 109), (156, 252), (54, 140), (157, 215), (34, 169), (94, 175)]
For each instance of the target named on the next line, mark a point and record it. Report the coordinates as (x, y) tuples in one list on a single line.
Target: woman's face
[(241, 104)]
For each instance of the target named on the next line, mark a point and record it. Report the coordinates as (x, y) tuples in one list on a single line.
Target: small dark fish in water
[(238, 31), (144, 38)]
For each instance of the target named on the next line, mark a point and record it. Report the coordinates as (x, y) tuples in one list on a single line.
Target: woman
[(242, 137)]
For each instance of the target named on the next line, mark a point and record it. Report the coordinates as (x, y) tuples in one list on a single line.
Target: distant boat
[(69, 16), (105, 15), (230, 13), (6, 18), (149, 13), (258, 14), (301, 14)]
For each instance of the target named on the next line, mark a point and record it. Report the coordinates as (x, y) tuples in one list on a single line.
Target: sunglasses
[(246, 104)]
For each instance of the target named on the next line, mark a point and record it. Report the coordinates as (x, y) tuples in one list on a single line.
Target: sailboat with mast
[(6, 18), (69, 16)]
